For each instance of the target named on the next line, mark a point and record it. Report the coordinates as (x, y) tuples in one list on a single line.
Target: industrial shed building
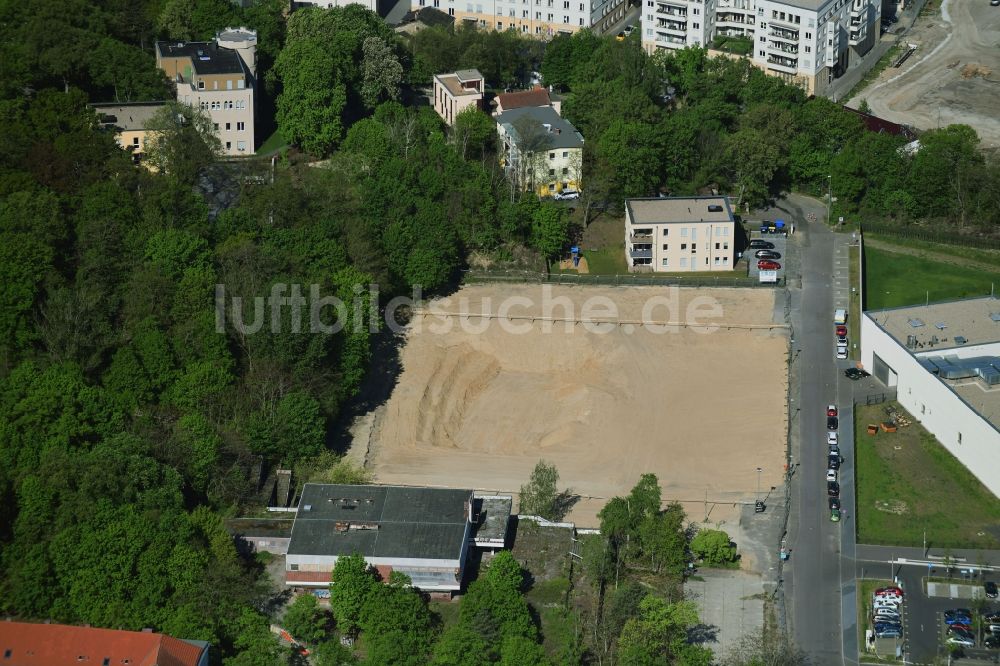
[(424, 533), (943, 359)]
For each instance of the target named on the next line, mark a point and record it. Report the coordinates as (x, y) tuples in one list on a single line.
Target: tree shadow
[(703, 633), (564, 503)]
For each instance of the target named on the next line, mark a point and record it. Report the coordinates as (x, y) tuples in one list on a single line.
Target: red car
[(889, 592), (768, 265), (831, 410), (841, 331)]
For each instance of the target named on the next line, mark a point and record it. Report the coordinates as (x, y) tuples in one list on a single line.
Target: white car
[(961, 640), (887, 602), (831, 475), (831, 438), (886, 611), (841, 351), (566, 195)]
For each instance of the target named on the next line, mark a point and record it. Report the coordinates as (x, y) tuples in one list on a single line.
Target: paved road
[(813, 575)]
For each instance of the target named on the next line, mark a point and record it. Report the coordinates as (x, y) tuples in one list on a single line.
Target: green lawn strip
[(447, 611), (854, 315), (903, 492), (895, 280), (960, 253), (272, 143), (866, 587)]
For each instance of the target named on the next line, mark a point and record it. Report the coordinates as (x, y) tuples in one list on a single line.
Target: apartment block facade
[(540, 150), (808, 43), (219, 77), (541, 18), (679, 234), (456, 92)]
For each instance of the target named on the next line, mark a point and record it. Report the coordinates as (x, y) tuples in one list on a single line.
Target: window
[(229, 84), (808, 49), (565, 4), (725, 260), (241, 145), (565, 19), (666, 247), (717, 246), (684, 232), (809, 35), (725, 231), (215, 126), (229, 145), (666, 232), (106, 662), (959, 438), (552, 172), (500, 24), (215, 85), (761, 53), (135, 141), (201, 85), (706, 261), (725, 246), (694, 232), (684, 262), (565, 153), (451, 11), (293, 567), (684, 246), (241, 84), (695, 11), (694, 248), (717, 261), (240, 126), (581, 7), (552, 156), (718, 231), (665, 262), (581, 21)]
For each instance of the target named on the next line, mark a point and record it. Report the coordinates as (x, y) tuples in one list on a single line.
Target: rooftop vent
[(995, 316), (916, 323), (940, 326), (715, 208), (960, 340)]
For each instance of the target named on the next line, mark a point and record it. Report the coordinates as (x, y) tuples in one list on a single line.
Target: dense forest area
[(130, 427)]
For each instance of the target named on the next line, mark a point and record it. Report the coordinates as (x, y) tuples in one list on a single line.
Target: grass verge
[(272, 144), (895, 279), (941, 252), (909, 485), (854, 314)]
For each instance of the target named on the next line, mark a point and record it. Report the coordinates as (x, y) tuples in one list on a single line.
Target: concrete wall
[(956, 425)]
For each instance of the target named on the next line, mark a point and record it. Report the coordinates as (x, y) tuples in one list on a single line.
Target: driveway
[(730, 605)]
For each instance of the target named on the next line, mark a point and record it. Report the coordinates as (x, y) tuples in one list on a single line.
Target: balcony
[(781, 33), (856, 37), (784, 48), (671, 42), (663, 10), (641, 239), (783, 62), (637, 253), (732, 17), (672, 26)]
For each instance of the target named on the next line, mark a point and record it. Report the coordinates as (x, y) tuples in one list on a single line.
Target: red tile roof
[(306, 577), (516, 100), (29, 644)]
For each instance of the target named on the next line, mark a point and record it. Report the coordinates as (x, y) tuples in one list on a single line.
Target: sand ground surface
[(478, 408), (953, 77)]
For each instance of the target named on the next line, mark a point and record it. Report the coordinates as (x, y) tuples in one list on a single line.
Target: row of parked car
[(833, 461), (958, 628), (764, 252), (887, 618)]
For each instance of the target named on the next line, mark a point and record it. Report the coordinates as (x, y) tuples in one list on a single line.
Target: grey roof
[(127, 117), (936, 325), (562, 134), (428, 16), (206, 57), (468, 75), (492, 517), (669, 210), (381, 521)]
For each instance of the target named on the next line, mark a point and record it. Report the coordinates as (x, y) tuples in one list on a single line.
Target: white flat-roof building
[(805, 42), (456, 92), (679, 234), (541, 18), (943, 359)]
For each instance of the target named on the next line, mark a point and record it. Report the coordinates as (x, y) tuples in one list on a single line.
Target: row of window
[(565, 171), (225, 105), (719, 231), (538, 17), (240, 84), (240, 146), (694, 248), (240, 126), (719, 261), (549, 3)]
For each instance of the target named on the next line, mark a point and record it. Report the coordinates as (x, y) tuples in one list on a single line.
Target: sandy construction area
[(953, 77), (701, 410)]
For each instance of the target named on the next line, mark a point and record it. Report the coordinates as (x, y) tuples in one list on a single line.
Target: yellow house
[(540, 150), (130, 123)]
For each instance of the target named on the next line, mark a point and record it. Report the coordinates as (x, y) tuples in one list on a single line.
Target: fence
[(627, 280), (879, 398), (929, 236)]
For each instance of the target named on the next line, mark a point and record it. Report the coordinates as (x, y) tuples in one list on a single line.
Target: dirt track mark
[(933, 256)]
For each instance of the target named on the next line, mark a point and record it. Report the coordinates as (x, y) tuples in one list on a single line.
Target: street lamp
[(829, 192), (757, 498)]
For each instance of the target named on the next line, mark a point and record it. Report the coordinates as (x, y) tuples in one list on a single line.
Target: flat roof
[(561, 132), (469, 75), (493, 515), (679, 210), (984, 400), (206, 57), (936, 326), (380, 521), (127, 117), (453, 82)]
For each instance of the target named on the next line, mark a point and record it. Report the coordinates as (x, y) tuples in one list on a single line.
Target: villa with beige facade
[(680, 234), (456, 92)]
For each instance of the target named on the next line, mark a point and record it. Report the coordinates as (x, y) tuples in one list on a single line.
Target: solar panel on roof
[(995, 316), (916, 323), (960, 340), (940, 326)]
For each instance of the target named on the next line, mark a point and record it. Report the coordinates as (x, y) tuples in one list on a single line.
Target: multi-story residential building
[(219, 77), (454, 93), (680, 234), (540, 150), (328, 4), (806, 42), (129, 123), (542, 18)]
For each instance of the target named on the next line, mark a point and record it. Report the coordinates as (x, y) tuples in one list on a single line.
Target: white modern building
[(329, 4), (542, 18), (220, 78), (680, 234), (806, 42), (943, 359)]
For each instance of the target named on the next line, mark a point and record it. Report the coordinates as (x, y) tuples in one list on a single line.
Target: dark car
[(964, 612), (767, 254), (761, 244), (855, 373), (834, 503), (991, 589), (993, 618), (833, 462), (833, 489), (992, 642), (832, 423)]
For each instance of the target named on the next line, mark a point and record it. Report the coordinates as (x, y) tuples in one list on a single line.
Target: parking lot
[(781, 245)]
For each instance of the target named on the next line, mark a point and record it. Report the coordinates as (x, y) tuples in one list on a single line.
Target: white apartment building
[(219, 77), (542, 18), (680, 234), (806, 42)]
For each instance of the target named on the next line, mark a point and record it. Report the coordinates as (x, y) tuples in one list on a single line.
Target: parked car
[(831, 410), (761, 244), (833, 489), (992, 642), (833, 461), (961, 640), (960, 627), (887, 602), (834, 515), (993, 628), (991, 617), (831, 475), (831, 438), (566, 195), (964, 631), (767, 254), (834, 502), (856, 373), (841, 351), (964, 612), (832, 423), (891, 590), (990, 588), (768, 265), (628, 30), (957, 619), (620, 36), (841, 330), (889, 633)]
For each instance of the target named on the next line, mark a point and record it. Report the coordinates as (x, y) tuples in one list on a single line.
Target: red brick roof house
[(30, 644), (520, 99)]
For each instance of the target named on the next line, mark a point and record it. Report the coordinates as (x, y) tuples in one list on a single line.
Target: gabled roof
[(30, 644), (522, 98), (560, 131)]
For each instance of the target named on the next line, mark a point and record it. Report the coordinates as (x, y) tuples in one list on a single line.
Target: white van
[(840, 317)]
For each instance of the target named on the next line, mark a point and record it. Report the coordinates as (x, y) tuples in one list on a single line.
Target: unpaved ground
[(954, 76), (700, 410)]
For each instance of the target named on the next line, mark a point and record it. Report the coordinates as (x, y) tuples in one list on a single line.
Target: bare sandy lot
[(953, 77), (701, 410)]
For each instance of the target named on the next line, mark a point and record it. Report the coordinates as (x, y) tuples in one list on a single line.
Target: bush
[(713, 547)]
